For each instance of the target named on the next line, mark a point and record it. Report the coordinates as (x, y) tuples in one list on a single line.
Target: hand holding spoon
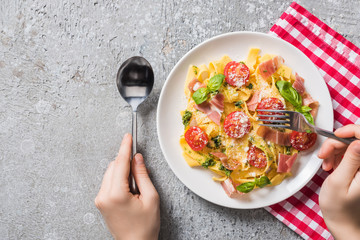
[(135, 80)]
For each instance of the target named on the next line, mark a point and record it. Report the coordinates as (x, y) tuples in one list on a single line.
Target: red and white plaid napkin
[(338, 61)]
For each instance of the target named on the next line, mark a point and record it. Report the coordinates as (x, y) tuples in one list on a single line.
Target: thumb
[(146, 188), (349, 165)]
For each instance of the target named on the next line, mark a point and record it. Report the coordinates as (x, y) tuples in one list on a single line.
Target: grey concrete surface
[(62, 119)]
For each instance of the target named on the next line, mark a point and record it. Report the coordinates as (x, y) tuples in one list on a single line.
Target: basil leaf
[(262, 181), (309, 117), (200, 95), (303, 109), (289, 93), (246, 187), (215, 82)]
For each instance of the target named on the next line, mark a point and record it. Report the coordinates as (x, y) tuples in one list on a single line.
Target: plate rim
[(167, 81)]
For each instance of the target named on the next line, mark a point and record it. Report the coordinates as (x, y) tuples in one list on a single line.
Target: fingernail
[(323, 165), (319, 153), (139, 159), (339, 130)]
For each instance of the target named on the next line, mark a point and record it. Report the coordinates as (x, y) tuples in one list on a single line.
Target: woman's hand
[(129, 216), (340, 193)]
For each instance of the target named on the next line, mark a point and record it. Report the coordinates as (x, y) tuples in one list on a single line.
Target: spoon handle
[(132, 184)]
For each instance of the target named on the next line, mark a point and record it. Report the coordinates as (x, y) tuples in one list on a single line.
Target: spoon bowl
[(135, 80)]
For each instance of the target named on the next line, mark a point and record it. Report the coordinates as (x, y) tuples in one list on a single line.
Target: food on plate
[(221, 126)]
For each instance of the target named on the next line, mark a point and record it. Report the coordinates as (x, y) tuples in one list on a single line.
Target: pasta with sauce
[(222, 131)]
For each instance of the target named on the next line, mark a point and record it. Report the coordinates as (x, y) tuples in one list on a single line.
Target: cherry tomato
[(236, 74), (271, 104), (237, 124), (196, 138), (257, 157), (302, 141)]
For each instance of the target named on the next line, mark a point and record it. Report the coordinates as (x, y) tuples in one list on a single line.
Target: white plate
[(172, 101)]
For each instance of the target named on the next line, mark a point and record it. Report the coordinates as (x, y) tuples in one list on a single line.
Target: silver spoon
[(135, 80)]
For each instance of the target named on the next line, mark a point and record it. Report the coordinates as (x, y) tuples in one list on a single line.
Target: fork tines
[(275, 125), (280, 119), (273, 120), (270, 110), (275, 116)]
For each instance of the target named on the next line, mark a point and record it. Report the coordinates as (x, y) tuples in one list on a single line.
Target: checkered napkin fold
[(338, 61)]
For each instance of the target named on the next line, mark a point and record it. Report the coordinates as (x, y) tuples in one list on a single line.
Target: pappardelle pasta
[(222, 131)]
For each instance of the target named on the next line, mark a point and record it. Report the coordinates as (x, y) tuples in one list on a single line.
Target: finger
[(146, 188), (332, 161), (122, 161), (351, 130), (328, 163), (349, 164), (331, 147), (106, 182), (326, 166)]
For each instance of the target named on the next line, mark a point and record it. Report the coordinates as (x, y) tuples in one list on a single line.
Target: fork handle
[(332, 135)]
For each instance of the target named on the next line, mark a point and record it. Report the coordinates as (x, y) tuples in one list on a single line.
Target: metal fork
[(297, 122)]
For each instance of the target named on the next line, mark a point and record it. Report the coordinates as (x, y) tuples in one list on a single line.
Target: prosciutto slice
[(204, 107), (230, 164), (299, 84), (286, 162), (195, 84), (269, 67), (229, 188), (220, 155), (213, 109), (254, 101), (306, 98), (309, 101), (274, 136), (217, 102)]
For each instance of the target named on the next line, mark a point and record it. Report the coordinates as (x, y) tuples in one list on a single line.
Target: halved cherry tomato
[(236, 74), (302, 141), (237, 124), (271, 104), (257, 157), (196, 138)]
